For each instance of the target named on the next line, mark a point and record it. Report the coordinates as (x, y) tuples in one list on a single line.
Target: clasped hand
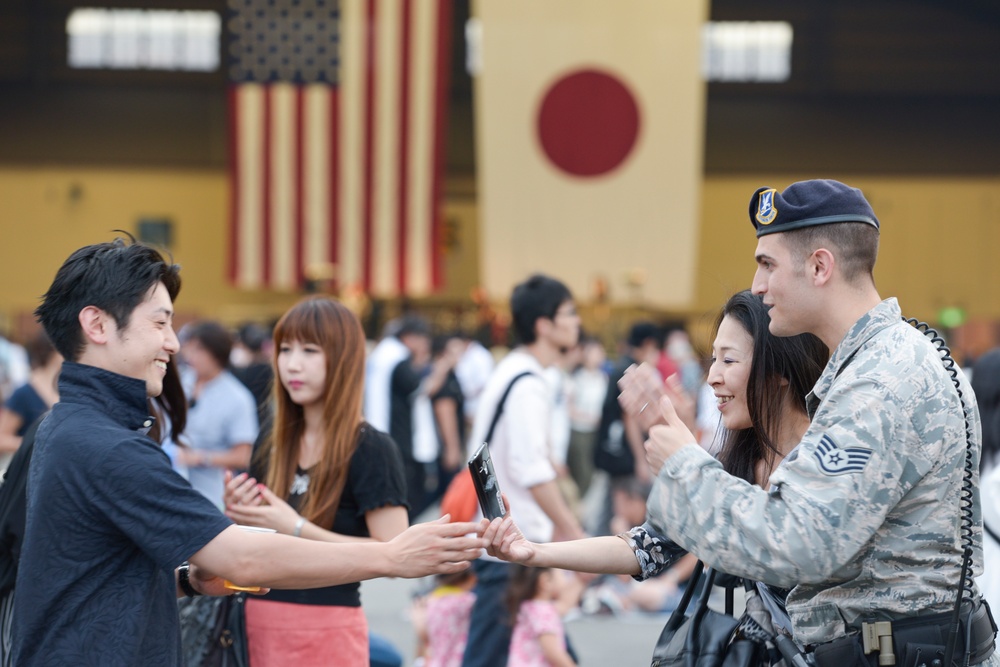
[(252, 504), (655, 405)]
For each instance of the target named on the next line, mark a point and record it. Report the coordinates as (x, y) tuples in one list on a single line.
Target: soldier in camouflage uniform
[(861, 520)]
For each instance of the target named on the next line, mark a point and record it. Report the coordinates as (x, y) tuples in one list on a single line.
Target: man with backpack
[(546, 323)]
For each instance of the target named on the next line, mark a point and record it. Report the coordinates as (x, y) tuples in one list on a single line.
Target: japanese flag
[(589, 121)]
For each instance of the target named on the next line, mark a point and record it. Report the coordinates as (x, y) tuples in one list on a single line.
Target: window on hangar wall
[(143, 39)]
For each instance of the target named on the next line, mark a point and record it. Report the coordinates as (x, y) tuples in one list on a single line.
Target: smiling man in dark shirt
[(109, 522)]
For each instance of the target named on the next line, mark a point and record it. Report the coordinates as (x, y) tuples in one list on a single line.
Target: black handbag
[(213, 631), (612, 453), (704, 637)]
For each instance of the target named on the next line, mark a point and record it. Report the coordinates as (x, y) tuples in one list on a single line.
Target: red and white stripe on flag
[(337, 119)]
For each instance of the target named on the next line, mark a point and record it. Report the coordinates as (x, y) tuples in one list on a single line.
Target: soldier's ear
[(820, 266)]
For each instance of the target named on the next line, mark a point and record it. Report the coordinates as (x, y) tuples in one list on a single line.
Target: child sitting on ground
[(442, 620), (537, 599)]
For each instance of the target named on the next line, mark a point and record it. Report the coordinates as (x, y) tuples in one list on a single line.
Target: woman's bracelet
[(297, 531)]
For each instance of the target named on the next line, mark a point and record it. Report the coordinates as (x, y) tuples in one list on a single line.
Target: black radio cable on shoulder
[(965, 505)]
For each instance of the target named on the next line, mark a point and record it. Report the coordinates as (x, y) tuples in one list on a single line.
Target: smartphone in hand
[(484, 478)]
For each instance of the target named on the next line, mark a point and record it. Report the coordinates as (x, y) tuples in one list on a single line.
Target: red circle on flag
[(588, 123)]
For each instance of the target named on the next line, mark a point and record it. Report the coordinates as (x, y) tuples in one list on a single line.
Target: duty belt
[(918, 641)]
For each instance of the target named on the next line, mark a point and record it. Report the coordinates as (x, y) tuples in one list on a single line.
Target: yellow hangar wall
[(939, 238), (47, 213)]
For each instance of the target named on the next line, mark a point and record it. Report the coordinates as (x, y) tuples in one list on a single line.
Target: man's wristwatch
[(184, 581)]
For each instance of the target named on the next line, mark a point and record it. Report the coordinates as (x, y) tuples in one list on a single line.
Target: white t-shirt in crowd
[(560, 386), (587, 399), (473, 371), (520, 446)]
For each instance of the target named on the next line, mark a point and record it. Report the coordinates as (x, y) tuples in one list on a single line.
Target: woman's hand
[(641, 391), (684, 404), (505, 541), (271, 512), (241, 490), (666, 438)]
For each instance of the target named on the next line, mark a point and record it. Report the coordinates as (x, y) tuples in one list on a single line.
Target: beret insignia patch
[(766, 211)]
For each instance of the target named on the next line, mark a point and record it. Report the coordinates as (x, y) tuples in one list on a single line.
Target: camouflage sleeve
[(827, 499), (654, 551)]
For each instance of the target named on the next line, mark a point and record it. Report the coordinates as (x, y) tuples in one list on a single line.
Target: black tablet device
[(484, 478)]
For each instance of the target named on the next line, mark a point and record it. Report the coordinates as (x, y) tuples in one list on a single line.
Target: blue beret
[(806, 204)]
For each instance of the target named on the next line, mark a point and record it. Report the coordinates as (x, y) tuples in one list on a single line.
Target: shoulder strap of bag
[(460, 499), (680, 611), (503, 399), (13, 500)]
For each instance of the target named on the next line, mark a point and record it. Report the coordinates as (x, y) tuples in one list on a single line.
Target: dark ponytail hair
[(170, 406)]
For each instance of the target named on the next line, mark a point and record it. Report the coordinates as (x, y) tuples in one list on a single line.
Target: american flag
[(337, 117)]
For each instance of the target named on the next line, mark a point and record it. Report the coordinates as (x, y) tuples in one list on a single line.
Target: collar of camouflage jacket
[(879, 318)]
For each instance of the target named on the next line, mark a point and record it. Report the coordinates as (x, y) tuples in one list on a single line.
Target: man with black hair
[(546, 324), (399, 382), (109, 523), (253, 367)]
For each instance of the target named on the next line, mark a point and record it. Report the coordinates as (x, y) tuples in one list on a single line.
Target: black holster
[(919, 641)]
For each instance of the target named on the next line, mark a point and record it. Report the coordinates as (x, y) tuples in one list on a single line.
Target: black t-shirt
[(403, 388), (258, 378), (453, 390), (26, 404), (375, 480), (612, 452)]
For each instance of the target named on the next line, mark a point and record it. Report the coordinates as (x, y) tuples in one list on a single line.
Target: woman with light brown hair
[(322, 474)]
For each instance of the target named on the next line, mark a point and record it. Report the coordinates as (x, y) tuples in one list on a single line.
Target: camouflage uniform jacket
[(861, 519)]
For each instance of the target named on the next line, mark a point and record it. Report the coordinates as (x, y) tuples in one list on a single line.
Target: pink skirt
[(284, 633)]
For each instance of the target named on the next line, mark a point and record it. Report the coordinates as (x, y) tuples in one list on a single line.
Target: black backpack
[(612, 453), (13, 507)]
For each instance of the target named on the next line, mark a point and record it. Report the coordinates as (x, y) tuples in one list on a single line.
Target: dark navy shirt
[(28, 405), (404, 383), (108, 522)]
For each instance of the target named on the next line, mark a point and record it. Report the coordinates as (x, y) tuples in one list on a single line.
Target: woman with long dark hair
[(327, 475), (760, 382), (780, 372)]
